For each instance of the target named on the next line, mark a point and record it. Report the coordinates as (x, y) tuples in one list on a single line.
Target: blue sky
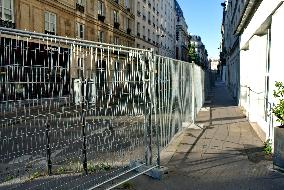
[(204, 18)]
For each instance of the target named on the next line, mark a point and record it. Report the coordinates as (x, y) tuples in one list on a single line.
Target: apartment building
[(146, 25), (155, 26), (167, 28), (109, 21), (200, 50), (182, 36)]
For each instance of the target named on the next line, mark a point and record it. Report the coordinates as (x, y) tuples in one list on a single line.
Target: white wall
[(277, 50), (253, 62), (262, 13)]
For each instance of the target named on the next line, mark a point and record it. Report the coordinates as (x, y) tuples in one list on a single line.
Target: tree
[(193, 55)]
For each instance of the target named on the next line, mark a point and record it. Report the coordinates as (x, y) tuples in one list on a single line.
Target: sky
[(204, 18)]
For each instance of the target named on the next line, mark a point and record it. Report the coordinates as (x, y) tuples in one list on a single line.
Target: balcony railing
[(7, 24), (80, 8), (101, 17), (49, 32), (128, 31), (116, 25)]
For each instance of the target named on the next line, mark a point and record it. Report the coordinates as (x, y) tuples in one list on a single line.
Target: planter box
[(278, 158)]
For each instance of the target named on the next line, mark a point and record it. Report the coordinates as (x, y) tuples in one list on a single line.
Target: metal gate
[(78, 114)]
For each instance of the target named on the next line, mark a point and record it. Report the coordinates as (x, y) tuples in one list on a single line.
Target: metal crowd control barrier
[(77, 114)]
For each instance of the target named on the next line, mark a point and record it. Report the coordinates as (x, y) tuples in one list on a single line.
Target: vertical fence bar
[(192, 94), (83, 118), (155, 94), (48, 149)]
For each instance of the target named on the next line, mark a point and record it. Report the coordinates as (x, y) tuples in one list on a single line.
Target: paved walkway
[(226, 155)]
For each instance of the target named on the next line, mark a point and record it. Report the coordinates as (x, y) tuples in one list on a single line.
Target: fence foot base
[(195, 126), (155, 173)]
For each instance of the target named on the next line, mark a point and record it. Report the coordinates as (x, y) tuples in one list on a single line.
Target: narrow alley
[(226, 154)]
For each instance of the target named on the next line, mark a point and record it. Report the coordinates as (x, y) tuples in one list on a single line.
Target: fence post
[(192, 94), (48, 149), (249, 104), (154, 105), (83, 120), (151, 108)]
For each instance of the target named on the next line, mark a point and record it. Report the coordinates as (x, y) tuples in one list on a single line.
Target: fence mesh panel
[(77, 114)]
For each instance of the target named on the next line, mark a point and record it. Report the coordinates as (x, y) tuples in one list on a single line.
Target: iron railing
[(76, 114)]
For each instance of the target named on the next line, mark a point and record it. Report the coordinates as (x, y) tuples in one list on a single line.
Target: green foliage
[(98, 167), (8, 178), (193, 55), (105, 167), (278, 109), (35, 175), (61, 170), (267, 149), (127, 185)]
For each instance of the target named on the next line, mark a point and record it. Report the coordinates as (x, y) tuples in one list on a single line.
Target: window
[(138, 27), (138, 6), (81, 2), (115, 16), (6, 10), (127, 3), (116, 40), (100, 36), (127, 23), (80, 30), (100, 8), (50, 23)]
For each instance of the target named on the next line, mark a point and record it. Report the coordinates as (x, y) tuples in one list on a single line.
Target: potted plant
[(278, 110)]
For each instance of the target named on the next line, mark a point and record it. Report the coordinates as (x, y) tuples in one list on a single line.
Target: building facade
[(252, 54), (96, 20), (155, 26), (146, 25), (167, 29), (143, 24), (200, 50), (182, 36)]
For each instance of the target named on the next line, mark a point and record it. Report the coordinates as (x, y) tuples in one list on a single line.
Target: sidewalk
[(226, 155)]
